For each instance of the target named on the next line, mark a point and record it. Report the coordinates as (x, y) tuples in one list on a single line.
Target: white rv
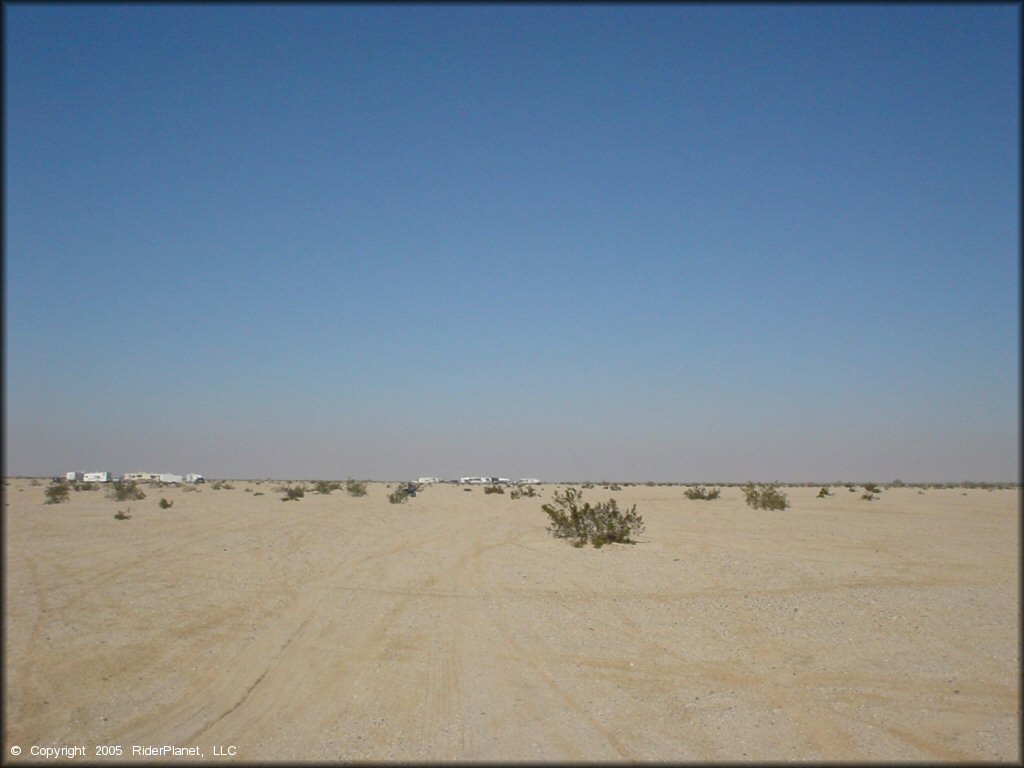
[(528, 481), (97, 477), (428, 480), (167, 477), (74, 476), (192, 477)]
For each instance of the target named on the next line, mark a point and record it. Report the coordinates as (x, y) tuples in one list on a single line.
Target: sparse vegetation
[(123, 515), (258, 493), (824, 492), (872, 489), (597, 524), (326, 486), (57, 493), (293, 493), (614, 487), (868, 497), (493, 489), (355, 487), (518, 493), (399, 495), (765, 496), (218, 485), (126, 490), (165, 504), (701, 493)]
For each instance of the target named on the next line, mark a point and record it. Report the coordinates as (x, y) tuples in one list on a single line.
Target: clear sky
[(665, 242)]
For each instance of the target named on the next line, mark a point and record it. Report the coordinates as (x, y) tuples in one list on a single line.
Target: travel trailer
[(167, 477), (74, 476), (428, 480), (97, 477), (192, 477)]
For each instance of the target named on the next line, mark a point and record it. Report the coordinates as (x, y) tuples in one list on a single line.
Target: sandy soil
[(455, 627)]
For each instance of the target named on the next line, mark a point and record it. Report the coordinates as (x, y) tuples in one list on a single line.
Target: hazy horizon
[(663, 243)]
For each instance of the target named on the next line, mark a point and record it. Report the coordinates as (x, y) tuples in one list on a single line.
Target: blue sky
[(665, 242)]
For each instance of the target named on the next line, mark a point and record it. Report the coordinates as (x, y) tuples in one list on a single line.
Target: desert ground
[(455, 627)]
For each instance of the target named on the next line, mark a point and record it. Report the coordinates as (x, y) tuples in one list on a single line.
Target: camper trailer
[(74, 476), (428, 480), (97, 477), (192, 477), (167, 477)]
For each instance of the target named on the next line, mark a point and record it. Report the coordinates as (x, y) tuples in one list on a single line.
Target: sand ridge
[(454, 627)]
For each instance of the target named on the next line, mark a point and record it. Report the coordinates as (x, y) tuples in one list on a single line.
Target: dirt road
[(454, 627)]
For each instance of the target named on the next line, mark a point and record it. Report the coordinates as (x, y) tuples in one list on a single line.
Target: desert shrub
[(293, 493), (326, 486), (258, 493), (399, 495), (222, 485), (868, 496), (765, 496), (123, 515), (355, 488), (824, 492), (872, 488), (614, 487), (57, 493), (702, 493), (126, 490), (35, 481), (465, 490), (596, 524), (493, 489), (165, 504)]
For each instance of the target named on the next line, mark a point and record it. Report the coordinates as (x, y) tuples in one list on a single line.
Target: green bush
[(119, 515), (355, 488), (824, 492), (326, 486), (494, 489), (165, 504), (126, 490), (221, 484), (872, 488), (765, 496), (57, 493), (868, 497), (399, 495), (293, 492), (702, 493), (597, 524)]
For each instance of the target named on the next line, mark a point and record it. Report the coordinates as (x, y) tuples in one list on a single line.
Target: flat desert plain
[(455, 627)]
